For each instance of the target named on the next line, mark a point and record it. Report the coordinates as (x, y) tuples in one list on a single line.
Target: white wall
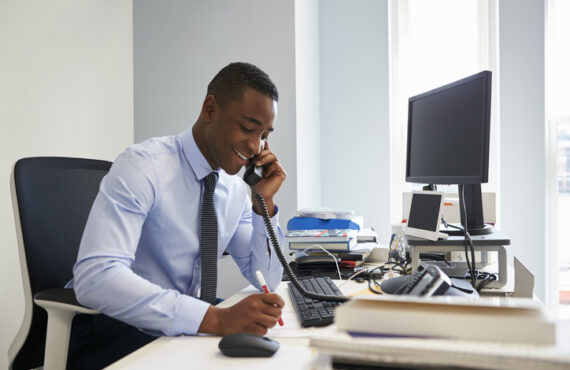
[(180, 46), (66, 89), (307, 92), (355, 130), (523, 132)]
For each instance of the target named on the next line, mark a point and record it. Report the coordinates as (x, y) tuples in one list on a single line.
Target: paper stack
[(316, 230)]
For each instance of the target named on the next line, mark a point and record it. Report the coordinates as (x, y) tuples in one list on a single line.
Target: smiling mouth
[(245, 158)]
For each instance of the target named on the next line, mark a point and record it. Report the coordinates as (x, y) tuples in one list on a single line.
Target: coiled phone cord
[(279, 252)]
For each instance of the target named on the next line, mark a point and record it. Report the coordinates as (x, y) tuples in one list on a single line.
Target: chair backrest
[(52, 197)]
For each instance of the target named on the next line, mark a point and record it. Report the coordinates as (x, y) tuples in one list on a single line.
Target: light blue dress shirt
[(139, 259)]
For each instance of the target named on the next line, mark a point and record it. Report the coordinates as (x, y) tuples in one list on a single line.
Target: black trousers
[(98, 341)]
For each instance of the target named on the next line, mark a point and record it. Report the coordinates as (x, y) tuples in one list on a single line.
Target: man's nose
[(256, 145)]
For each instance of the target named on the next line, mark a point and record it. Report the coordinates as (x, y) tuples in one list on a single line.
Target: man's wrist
[(269, 204), (211, 323)]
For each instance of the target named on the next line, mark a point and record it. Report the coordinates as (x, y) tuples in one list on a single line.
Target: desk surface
[(201, 352)]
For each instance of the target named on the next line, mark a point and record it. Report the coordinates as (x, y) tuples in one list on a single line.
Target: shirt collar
[(194, 156)]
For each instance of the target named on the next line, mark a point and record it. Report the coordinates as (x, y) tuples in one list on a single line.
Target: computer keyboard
[(313, 312)]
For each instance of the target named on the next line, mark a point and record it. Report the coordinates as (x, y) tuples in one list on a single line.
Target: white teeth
[(240, 155)]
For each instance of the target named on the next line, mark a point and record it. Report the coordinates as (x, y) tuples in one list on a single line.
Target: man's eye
[(245, 129)]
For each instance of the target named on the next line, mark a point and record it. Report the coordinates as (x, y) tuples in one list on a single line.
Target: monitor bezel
[(455, 179)]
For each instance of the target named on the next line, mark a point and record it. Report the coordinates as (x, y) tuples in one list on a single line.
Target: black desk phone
[(427, 281), (252, 174)]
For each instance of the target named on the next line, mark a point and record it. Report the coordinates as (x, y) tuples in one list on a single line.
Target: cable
[(367, 270), (468, 242), (487, 277), (327, 252), (281, 257), (377, 289)]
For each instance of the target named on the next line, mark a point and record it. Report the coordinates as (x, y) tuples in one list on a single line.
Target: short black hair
[(230, 82)]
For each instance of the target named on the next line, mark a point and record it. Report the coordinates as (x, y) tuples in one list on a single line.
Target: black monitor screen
[(448, 133), (424, 211)]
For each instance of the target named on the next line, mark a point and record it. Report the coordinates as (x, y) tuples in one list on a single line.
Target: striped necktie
[(209, 241)]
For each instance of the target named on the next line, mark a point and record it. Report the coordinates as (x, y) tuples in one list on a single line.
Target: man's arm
[(103, 278), (257, 253), (251, 248)]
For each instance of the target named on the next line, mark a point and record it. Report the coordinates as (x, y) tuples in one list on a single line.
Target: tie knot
[(210, 181)]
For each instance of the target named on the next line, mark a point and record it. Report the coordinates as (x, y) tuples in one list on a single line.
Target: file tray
[(494, 242)]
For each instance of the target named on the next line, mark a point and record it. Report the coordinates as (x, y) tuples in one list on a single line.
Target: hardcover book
[(329, 239), (518, 320)]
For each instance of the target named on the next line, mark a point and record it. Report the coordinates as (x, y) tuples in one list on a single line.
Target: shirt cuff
[(259, 224), (189, 315)]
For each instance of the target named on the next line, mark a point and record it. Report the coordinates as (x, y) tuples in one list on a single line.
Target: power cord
[(281, 257), (467, 240)]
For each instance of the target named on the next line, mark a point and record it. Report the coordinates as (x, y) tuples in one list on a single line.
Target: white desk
[(201, 352)]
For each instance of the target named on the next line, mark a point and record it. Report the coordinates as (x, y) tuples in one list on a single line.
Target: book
[(519, 320), (326, 213), (352, 255), (306, 223), (321, 235), (329, 239), (329, 246), (367, 235), (439, 353), (350, 264)]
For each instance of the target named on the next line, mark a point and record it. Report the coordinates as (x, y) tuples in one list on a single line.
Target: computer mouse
[(247, 345)]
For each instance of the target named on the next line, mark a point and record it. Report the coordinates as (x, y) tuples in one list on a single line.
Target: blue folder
[(308, 223)]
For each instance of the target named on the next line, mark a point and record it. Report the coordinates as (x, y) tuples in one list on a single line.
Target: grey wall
[(523, 132), (355, 131), (66, 89), (178, 48)]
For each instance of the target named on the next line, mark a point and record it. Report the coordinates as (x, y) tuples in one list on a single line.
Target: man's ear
[(209, 108)]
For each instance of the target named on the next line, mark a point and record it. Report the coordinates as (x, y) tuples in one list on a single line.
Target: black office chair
[(51, 198)]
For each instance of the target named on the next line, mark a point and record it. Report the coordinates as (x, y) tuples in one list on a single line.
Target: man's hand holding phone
[(273, 176)]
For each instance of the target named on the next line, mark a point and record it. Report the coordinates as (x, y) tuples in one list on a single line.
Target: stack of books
[(444, 332), (519, 320), (338, 232)]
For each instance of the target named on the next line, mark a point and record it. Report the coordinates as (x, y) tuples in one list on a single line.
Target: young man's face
[(238, 130)]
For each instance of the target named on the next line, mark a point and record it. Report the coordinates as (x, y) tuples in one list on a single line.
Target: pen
[(263, 284)]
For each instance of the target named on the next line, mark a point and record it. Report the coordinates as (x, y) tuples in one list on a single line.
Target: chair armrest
[(63, 299), (61, 306)]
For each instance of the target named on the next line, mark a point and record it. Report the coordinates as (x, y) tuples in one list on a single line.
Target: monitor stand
[(452, 231), (474, 210)]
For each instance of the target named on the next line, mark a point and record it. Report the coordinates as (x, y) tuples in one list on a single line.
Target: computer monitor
[(448, 140)]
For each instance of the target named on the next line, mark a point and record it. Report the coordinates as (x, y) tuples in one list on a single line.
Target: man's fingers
[(266, 321), (265, 157), (273, 299), (272, 311)]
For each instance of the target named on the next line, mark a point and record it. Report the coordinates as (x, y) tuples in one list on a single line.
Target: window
[(434, 43), (558, 111)]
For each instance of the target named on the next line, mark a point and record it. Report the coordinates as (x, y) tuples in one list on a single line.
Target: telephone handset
[(252, 174)]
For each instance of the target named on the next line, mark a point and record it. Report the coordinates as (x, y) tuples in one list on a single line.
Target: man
[(140, 258)]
